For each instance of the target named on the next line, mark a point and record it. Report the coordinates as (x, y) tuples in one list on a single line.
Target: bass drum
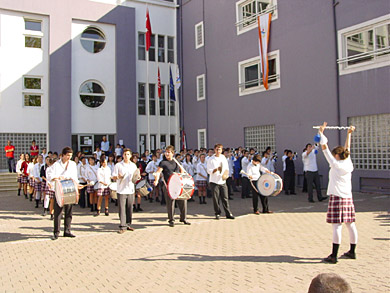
[(270, 184), (66, 192), (180, 186)]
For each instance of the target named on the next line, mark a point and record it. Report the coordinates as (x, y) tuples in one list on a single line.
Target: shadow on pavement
[(242, 258)]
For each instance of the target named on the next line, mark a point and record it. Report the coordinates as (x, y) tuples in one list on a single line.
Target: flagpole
[(147, 105), (159, 97), (169, 108)]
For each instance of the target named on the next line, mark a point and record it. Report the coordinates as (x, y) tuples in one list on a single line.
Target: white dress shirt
[(151, 168), (104, 146), (37, 172), (310, 161), (201, 169), (254, 171), (213, 163), (189, 168), (244, 166), (91, 173), (104, 175), (67, 170), (125, 185)]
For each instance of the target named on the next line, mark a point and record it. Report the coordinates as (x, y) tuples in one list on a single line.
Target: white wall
[(17, 61), (88, 66)]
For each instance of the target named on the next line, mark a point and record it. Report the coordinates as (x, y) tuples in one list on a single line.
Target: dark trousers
[(125, 206), (11, 165), (229, 183), (313, 177), (245, 187), (182, 205), (304, 188), (83, 192), (68, 208), (255, 200), (289, 182), (220, 192)]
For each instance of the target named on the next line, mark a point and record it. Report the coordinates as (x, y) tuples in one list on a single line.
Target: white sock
[(353, 235), (337, 228)]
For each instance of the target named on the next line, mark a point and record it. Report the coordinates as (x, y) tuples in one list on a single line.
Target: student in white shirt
[(340, 207), (38, 180), (150, 169), (31, 181), (19, 172), (229, 181), (92, 180), (118, 150), (309, 158), (217, 165), (201, 178), (254, 169), (63, 169), (104, 180), (245, 191), (123, 173)]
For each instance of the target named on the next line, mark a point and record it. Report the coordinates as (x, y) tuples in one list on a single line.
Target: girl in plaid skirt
[(19, 172), (340, 208), (24, 172), (104, 179)]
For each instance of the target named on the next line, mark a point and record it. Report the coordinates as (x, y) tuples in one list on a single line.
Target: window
[(152, 99), (33, 25), (32, 42), (172, 105), (364, 46), (173, 140), (370, 147), (161, 48), (142, 143), (260, 137), (141, 99), (171, 50), (248, 10), (251, 78), (202, 143), (162, 101), (199, 35), (32, 91), (200, 87), (152, 48), (92, 94), (153, 142), (141, 46), (163, 141), (93, 40)]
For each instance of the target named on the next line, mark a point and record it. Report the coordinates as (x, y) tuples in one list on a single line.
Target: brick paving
[(278, 252)]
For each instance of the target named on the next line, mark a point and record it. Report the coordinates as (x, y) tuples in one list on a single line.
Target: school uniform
[(289, 176), (245, 180), (103, 175), (312, 175), (201, 169), (254, 172), (82, 175)]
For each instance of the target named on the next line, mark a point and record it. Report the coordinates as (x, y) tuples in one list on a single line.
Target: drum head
[(266, 184), (140, 184), (175, 186), (113, 186)]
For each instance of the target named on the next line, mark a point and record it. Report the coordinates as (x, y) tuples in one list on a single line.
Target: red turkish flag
[(158, 82), (148, 30)]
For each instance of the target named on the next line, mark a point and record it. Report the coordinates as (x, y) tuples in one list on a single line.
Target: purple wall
[(308, 70)]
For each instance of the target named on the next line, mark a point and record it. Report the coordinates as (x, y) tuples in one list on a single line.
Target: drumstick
[(180, 166), (243, 172)]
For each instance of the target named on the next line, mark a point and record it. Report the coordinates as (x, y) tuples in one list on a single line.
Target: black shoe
[(97, 213), (135, 209), (350, 255), (139, 209), (293, 193), (51, 217), (55, 237), (287, 193), (323, 198), (330, 259), (106, 212), (230, 217), (171, 224), (69, 235), (25, 196), (310, 200), (217, 217), (186, 222)]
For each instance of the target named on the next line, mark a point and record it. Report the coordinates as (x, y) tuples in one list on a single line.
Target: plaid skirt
[(19, 180), (50, 193), (340, 210), (103, 191), (90, 189), (37, 185), (201, 183), (31, 182), (24, 180)]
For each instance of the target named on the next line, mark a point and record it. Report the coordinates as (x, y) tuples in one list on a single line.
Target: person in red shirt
[(34, 149), (24, 171), (9, 153)]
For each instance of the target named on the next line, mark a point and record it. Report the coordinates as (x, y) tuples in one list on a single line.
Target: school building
[(73, 71)]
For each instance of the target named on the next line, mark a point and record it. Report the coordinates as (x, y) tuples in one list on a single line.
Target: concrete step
[(8, 189)]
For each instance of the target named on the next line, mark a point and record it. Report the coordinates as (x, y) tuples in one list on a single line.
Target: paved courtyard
[(278, 252)]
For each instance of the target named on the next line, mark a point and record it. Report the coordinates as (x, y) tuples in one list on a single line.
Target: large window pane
[(251, 76), (162, 101), (33, 25), (141, 99), (32, 83), (32, 42), (32, 100), (360, 43), (161, 49), (171, 50), (152, 99), (141, 46), (152, 49), (93, 40)]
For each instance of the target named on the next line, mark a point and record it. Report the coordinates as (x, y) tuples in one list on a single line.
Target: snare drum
[(66, 192), (143, 187), (270, 184), (113, 187), (180, 186)]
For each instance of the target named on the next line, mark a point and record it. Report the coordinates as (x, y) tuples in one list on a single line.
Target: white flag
[(178, 81)]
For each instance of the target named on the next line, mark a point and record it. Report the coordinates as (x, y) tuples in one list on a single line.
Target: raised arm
[(321, 132), (347, 145)]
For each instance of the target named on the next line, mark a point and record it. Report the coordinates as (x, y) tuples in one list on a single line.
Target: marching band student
[(167, 167), (31, 181), (92, 180), (64, 168), (82, 175), (111, 162), (271, 160), (24, 171), (38, 180), (150, 169), (340, 207), (289, 174), (195, 159), (44, 154), (118, 150), (134, 159), (46, 187), (189, 167), (253, 171), (216, 167), (201, 178), (244, 178), (123, 173), (229, 180), (19, 172), (104, 180), (98, 153)]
